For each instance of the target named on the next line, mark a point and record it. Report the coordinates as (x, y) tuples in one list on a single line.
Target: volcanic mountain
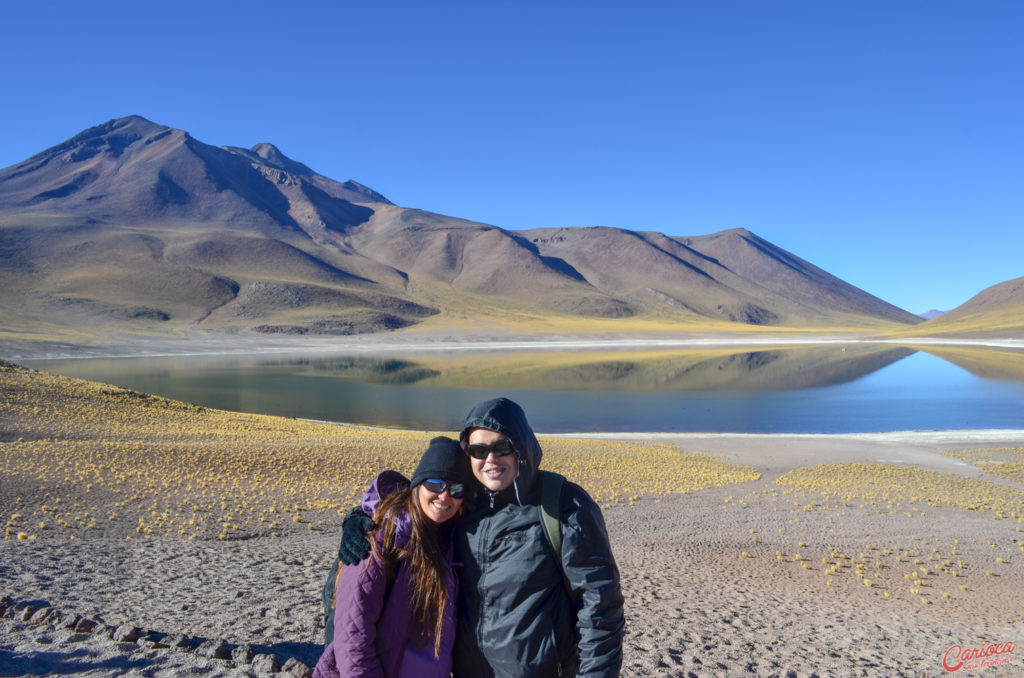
[(132, 226)]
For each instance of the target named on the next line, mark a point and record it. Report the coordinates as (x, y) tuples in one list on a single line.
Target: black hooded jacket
[(518, 616)]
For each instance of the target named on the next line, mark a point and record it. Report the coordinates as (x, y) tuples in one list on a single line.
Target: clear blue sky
[(881, 141)]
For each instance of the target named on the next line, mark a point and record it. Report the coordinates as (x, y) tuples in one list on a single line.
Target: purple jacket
[(374, 631)]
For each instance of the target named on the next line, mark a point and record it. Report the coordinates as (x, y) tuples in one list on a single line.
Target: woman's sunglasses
[(456, 490), (499, 449)]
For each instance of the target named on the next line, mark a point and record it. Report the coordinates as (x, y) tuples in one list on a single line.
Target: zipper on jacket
[(484, 564)]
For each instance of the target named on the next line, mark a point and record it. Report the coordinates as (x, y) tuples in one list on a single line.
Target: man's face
[(494, 473)]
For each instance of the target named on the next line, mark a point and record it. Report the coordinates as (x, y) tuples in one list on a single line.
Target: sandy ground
[(722, 582)]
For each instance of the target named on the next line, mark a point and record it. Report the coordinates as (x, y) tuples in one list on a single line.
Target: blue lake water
[(895, 391)]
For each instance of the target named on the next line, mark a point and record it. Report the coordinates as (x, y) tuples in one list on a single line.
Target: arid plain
[(869, 555)]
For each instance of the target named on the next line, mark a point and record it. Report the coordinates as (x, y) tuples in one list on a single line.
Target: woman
[(395, 614)]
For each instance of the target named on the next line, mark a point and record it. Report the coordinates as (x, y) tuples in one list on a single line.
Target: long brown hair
[(423, 555)]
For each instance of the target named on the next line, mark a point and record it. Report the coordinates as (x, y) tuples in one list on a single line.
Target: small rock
[(215, 648), (265, 663), (179, 641), (151, 644), (296, 668), (104, 631), (86, 625), (26, 613), (55, 619), (243, 654), (41, 615), (70, 621), (126, 633), (154, 641)]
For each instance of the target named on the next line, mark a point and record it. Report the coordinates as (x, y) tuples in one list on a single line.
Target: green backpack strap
[(550, 510)]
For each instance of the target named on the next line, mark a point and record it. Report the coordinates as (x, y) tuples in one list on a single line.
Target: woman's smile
[(438, 507)]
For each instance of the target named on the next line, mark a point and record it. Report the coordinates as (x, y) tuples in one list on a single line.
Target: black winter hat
[(444, 460)]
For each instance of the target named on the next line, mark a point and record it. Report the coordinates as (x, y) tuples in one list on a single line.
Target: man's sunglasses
[(499, 449), (456, 490)]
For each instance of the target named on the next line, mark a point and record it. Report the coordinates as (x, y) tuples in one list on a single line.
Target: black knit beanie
[(443, 460)]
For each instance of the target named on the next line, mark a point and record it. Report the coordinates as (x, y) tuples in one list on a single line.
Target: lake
[(828, 388)]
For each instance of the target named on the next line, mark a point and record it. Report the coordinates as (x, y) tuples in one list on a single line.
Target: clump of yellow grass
[(618, 471), (887, 482), (874, 485), (1005, 462), (87, 459)]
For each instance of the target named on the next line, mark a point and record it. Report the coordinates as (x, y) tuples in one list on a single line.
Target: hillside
[(997, 311), (136, 228), (733, 274)]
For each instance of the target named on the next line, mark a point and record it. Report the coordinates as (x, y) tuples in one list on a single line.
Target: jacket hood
[(506, 417), (384, 484)]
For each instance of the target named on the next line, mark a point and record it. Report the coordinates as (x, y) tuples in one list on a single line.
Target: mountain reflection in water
[(983, 362), (821, 388), (690, 370), (369, 370)]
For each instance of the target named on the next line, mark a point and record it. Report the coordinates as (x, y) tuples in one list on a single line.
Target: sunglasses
[(456, 490), (501, 448)]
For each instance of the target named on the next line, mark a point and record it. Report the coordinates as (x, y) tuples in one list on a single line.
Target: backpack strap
[(550, 510), (330, 600)]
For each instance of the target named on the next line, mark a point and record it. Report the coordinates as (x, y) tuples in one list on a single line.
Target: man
[(521, 613)]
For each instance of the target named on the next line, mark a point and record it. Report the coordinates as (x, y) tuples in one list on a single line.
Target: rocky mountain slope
[(135, 226)]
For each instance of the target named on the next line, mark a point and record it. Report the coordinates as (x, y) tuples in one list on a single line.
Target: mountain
[(932, 314), (132, 226), (997, 311), (131, 170), (133, 222), (734, 275)]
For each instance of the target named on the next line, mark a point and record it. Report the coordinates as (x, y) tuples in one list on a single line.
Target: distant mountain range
[(132, 226)]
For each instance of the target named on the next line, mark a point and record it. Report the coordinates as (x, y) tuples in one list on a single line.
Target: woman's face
[(438, 507)]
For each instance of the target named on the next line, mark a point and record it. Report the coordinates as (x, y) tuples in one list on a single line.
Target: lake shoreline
[(240, 345), (912, 437), (800, 388)]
